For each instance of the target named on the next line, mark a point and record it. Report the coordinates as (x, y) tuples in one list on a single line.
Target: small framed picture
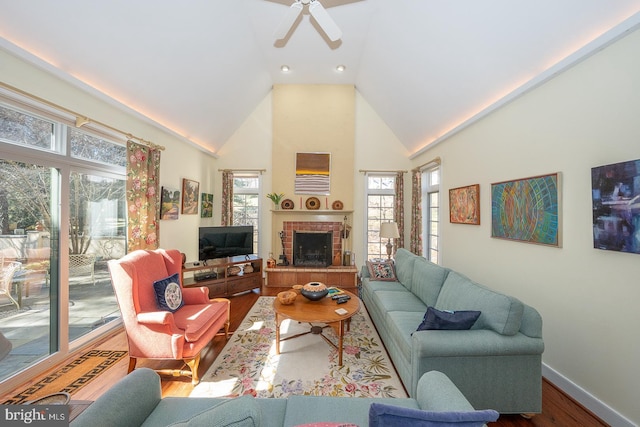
[(464, 205), (190, 193), (206, 205), (169, 203)]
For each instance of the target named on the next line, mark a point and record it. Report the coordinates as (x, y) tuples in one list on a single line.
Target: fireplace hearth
[(312, 248)]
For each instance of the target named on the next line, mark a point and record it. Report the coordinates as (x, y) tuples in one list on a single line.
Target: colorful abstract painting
[(615, 190), (527, 210), (464, 205), (313, 173)]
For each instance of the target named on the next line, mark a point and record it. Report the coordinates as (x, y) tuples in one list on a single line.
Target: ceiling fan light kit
[(319, 13)]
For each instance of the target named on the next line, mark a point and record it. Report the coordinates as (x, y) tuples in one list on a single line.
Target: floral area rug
[(306, 365)]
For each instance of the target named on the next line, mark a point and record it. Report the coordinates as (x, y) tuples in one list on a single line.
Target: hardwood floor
[(557, 408)]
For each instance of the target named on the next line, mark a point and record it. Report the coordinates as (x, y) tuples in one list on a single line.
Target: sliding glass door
[(62, 218)]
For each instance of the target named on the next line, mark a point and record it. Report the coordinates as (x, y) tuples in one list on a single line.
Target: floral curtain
[(416, 213), (398, 209), (143, 196), (227, 198)]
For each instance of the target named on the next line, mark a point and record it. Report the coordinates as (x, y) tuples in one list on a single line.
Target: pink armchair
[(156, 334)]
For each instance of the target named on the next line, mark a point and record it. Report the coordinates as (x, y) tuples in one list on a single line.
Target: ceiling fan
[(316, 10)]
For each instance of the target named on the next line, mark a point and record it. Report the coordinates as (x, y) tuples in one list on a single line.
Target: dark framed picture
[(169, 203), (206, 205), (527, 210), (190, 193), (464, 205), (615, 193)]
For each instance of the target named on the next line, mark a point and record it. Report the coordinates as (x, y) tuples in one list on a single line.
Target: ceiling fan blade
[(325, 21), (289, 19)]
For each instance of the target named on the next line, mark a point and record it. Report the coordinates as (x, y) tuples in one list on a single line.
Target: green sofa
[(496, 364), (136, 401)]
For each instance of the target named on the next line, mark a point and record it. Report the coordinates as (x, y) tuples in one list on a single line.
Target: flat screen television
[(221, 242)]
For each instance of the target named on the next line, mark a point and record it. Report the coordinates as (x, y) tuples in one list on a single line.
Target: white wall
[(587, 116), (179, 160), (250, 148), (377, 148)]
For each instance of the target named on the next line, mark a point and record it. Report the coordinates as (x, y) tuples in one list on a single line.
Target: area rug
[(72, 377), (307, 365)]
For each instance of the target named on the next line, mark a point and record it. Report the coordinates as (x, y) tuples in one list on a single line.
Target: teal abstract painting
[(527, 210)]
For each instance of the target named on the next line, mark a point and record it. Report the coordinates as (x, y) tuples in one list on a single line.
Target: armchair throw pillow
[(169, 293)]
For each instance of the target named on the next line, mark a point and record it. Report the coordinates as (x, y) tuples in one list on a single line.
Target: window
[(46, 189), (431, 208), (380, 202), (246, 203)]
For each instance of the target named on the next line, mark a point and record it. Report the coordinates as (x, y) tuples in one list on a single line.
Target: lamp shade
[(389, 230)]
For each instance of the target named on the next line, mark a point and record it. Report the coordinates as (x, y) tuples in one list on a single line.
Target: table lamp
[(389, 230)]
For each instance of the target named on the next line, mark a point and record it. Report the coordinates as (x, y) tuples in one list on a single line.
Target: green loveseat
[(496, 364), (136, 401)]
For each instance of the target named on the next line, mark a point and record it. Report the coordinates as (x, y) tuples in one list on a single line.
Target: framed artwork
[(527, 210), (190, 193), (464, 205), (313, 173), (169, 203), (615, 193), (206, 206)]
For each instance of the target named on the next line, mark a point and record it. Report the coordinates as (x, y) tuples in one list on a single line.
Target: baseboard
[(586, 399)]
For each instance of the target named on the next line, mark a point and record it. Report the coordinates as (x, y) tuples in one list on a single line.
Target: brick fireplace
[(311, 226)]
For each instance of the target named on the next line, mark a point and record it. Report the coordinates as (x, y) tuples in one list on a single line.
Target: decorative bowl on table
[(234, 270), (314, 291), (287, 297)]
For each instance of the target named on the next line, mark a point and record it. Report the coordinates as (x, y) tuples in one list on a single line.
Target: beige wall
[(179, 160), (588, 298), (314, 118)]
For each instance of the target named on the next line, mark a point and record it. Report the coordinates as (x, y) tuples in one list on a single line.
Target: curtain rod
[(435, 161), (380, 171), (80, 119), (242, 170)]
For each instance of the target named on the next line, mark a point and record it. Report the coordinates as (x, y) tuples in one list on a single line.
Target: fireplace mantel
[(310, 212)]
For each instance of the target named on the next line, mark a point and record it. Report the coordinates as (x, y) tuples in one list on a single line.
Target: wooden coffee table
[(323, 311)]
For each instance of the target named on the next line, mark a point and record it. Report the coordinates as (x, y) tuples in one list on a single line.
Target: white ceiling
[(200, 67)]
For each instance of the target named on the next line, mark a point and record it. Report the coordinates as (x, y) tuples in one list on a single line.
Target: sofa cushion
[(382, 270), (427, 280), (375, 285), (239, 412), (401, 324), (398, 301), (169, 293), (500, 312), (404, 261), (196, 319), (392, 416), (311, 409), (435, 319)]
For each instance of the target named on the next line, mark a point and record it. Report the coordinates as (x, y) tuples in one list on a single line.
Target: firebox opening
[(312, 249)]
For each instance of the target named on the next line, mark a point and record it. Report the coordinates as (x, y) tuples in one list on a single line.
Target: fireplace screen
[(312, 249)]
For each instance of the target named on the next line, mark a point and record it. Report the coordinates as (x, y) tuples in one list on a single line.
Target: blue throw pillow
[(381, 415), (448, 320), (169, 293)]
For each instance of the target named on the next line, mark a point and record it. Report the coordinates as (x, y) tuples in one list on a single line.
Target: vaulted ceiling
[(200, 67)]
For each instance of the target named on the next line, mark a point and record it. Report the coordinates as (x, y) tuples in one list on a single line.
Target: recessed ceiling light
[(284, 68), (340, 68)]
